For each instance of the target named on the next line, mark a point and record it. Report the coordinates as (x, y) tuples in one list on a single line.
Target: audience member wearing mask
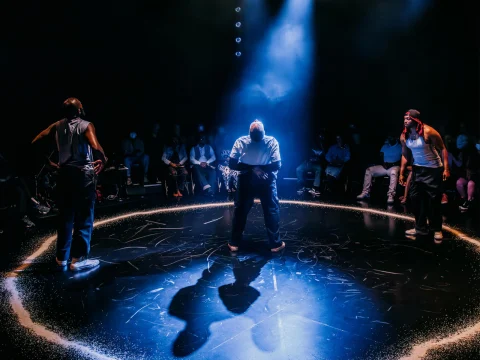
[(202, 157), (391, 153), (134, 153), (337, 156)]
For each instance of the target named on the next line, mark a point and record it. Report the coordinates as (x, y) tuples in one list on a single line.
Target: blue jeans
[(143, 160), (249, 187), (76, 202)]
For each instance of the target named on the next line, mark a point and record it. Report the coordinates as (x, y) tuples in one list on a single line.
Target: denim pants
[(426, 189), (76, 202), (249, 187)]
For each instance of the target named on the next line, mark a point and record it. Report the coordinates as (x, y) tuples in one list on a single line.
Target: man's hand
[(260, 173), (98, 166), (173, 165), (203, 164), (401, 179), (446, 174), (52, 165)]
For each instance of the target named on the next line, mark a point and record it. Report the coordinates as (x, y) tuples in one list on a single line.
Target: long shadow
[(196, 304)]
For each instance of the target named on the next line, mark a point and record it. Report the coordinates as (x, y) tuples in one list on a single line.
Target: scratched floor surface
[(348, 286)]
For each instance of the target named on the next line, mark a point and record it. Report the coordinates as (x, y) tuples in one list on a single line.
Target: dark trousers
[(249, 187), (204, 176), (176, 178), (76, 202), (425, 194)]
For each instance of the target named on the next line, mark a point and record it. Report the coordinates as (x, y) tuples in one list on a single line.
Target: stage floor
[(349, 285)]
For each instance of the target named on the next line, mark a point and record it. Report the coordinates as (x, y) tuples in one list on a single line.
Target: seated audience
[(175, 157), (466, 184), (337, 156), (134, 153), (391, 154), (315, 163), (202, 157)]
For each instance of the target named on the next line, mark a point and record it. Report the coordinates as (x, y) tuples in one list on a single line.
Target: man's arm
[(406, 158), (435, 139), (185, 158), (235, 165), (212, 158), (48, 131), (193, 161), (98, 153), (164, 156), (274, 166), (347, 154)]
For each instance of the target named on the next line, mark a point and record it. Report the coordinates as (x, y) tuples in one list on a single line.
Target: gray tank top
[(73, 147), (424, 154)]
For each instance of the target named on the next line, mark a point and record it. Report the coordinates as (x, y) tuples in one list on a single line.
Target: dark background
[(135, 62)]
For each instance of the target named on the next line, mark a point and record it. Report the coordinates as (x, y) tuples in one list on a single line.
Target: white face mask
[(477, 146)]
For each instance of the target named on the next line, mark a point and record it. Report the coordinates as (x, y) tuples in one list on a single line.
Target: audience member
[(134, 153), (337, 156), (202, 157), (391, 154), (175, 156), (314, 163), (466, 184)]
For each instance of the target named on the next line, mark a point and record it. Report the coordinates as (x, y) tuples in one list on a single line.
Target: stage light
[(238, 39), (238, 54), (238, 24), (238, 9)]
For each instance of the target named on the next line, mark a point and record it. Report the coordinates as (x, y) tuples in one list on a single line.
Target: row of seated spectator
[(333, 165)]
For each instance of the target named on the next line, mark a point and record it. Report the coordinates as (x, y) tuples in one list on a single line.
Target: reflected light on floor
[(24, 318)]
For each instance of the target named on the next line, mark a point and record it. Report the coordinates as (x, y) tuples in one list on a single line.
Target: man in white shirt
[(392, 154), (257, 159), (202, 157)]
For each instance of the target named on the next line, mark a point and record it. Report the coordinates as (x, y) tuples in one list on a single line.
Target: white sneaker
[(363, 196), (83, 264), (414, 232), (438, 236), (390, 200)]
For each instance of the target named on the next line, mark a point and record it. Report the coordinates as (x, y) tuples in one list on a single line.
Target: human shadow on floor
[(197, 305)]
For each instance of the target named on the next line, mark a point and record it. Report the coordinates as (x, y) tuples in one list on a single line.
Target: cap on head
[(72, 108), (257, 131)]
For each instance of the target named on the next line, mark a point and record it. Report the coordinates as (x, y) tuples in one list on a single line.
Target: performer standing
[(257, 158), (421, 145), (81, 158)]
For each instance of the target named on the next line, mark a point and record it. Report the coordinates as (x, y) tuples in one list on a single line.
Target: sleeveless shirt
[(73, 147), (424, 154)]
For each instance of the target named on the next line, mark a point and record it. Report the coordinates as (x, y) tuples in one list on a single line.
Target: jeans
[(76, 202), (143, 160), (306, 166), (379, 170), (426, 189), (206, 177), (249, 187)]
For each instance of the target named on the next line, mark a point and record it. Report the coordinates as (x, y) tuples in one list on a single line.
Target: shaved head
[(72, 108), (257, 131)]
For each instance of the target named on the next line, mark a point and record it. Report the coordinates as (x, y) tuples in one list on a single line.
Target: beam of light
[(23, 316), (277, 70)]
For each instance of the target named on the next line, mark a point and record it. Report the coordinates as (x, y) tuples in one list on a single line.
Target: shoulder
[(242, 140), (402, 138), (270, 140)]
